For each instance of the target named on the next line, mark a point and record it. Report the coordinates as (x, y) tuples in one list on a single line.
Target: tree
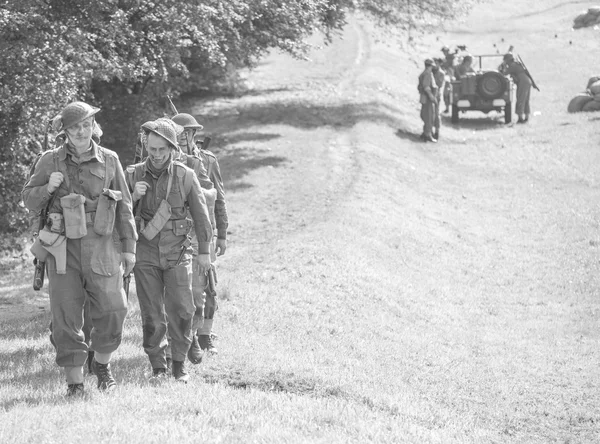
[(124, 55)]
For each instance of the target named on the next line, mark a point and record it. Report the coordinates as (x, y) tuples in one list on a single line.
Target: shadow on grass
[(287, 382), (236, 163)]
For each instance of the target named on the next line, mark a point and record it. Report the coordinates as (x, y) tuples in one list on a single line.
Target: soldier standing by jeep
[(427, 97), (219, 217), (83, 187), (513, 68), (440, 80), (166, 192)]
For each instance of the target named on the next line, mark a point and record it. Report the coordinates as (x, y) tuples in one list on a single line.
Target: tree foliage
[(124, 55)]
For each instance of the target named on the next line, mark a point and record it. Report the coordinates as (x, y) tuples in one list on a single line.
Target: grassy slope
[(376, 289)]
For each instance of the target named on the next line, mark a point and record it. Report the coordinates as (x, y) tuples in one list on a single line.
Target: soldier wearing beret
[(83, 188)]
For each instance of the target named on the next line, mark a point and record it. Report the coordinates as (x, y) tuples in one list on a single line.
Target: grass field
[(375, 289)]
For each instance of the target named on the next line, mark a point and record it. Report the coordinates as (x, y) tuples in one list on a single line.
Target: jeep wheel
[(491, 85), (454, 118), (508, 113)]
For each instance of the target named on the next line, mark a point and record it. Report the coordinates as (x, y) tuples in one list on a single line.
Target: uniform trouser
[(164, 292), (447, 95), (523, 95), (94, 276), (427, 116), (199, 283), (436, 117)]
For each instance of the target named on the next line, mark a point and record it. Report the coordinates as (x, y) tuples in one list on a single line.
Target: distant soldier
[(516, 70), (427, 97), (169, 201), (219, 217), (440, 80), (464, 67), (83, 188)]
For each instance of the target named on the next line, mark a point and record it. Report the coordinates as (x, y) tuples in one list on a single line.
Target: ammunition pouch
[(55, 222), (156, 224), (181, 227), (74, 215), (106, 210), (47, 238)]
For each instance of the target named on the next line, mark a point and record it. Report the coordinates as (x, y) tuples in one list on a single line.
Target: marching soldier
[(219, 218), (83, 187), (427, 97), (516, 70), (166, 192)]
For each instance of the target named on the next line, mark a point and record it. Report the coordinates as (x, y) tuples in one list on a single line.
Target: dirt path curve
[(291, 156)]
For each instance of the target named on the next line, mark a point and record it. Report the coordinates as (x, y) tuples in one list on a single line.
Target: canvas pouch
[(106, 210), (74, 215), (162, 215)]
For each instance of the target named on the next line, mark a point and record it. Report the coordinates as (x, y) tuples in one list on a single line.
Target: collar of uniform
[(92, 153), (145, 169)]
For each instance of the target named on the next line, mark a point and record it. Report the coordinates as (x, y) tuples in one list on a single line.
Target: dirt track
[(454, 285)]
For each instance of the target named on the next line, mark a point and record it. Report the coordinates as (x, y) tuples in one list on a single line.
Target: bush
[(125, 55)]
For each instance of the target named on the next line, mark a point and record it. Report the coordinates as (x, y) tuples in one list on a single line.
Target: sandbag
[(594, 10), (595, 88), (592, 81), (576, 104), (592, 105)]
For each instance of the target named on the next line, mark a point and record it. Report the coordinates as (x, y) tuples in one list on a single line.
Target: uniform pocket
[(74, 215), (106, 211), (105, 258)]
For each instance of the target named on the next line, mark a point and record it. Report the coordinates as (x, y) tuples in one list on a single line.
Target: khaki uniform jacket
[(214, 174), (86, 176), (193, 201), (427, 84)]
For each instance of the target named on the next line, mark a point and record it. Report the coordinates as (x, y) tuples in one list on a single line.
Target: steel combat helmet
[(508, 57), (72, 114), (165, 128), (187, 121)]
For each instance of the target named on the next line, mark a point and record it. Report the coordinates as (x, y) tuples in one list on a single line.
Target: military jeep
[(485, 90)]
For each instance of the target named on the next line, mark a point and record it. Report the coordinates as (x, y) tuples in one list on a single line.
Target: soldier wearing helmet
[(427, 97), (521, 78), (83, 188), (168, 202), (219, 216)]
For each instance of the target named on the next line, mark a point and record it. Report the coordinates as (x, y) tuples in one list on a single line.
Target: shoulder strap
[(106, 181), (57, 168)]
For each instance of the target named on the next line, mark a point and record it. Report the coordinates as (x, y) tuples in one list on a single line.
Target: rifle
[(527, 72), (126, 281), (40, 266), (211, 285), (172, 106), (205, 143)]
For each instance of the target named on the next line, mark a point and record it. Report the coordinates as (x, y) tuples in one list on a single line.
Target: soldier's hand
[(128, 262), (140, 190), (203, 264), (56, 179), (221, 246)]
